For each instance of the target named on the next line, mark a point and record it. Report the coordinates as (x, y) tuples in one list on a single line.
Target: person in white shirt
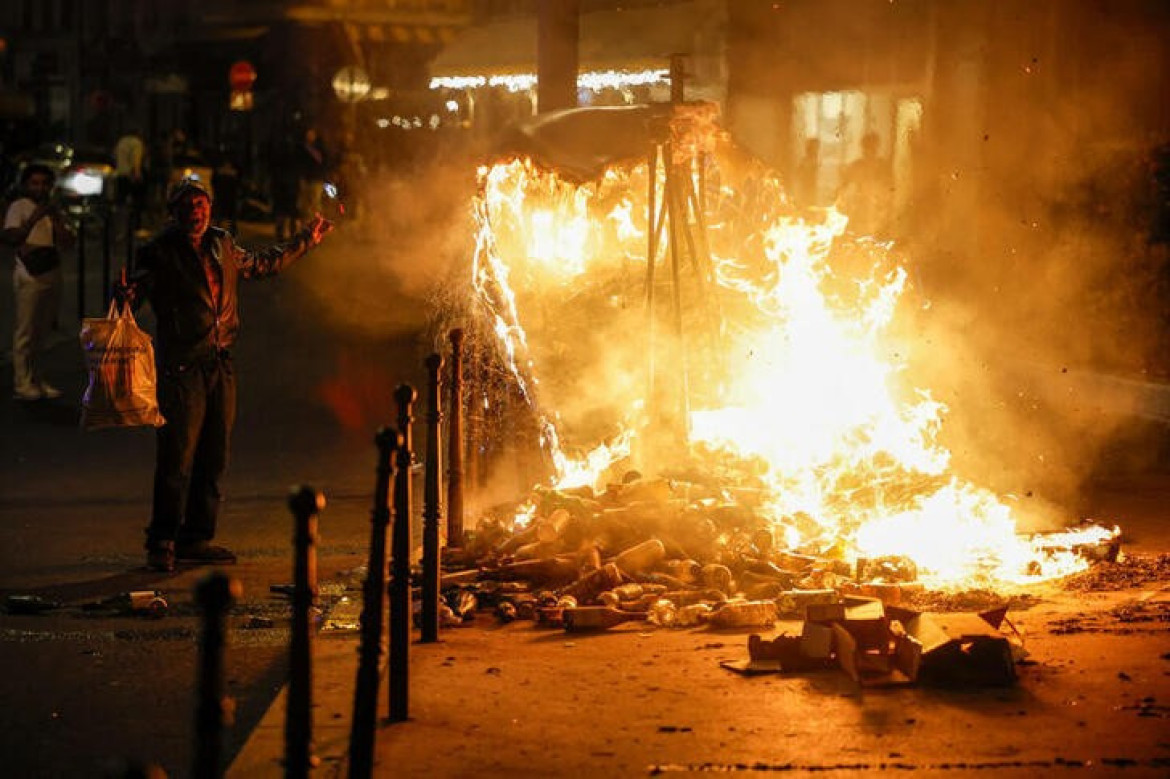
[(37, 229), (129, 159)]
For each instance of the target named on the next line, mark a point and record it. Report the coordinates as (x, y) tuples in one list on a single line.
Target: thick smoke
[(1046, 328)]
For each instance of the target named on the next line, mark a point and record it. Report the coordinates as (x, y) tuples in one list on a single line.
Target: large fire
[(758, 345)]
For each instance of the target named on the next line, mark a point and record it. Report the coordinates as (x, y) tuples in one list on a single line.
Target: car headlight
[(83, 182)]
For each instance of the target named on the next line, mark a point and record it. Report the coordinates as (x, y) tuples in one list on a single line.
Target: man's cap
[(184, 188)]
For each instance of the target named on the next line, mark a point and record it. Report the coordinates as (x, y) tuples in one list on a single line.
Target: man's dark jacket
[(170, 275)]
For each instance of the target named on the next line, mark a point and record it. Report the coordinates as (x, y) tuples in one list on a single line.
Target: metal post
[(365, 700), (473, 389), (653, 225), (455, 444), (81, 266), (305, 503), (107, 251), (400, 615), (131, 231), (678, 72), (432, 511), (214, 594)]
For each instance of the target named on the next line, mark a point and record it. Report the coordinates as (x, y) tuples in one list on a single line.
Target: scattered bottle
[(748, 613), (631, 591), (687, 597), (640, 557), (550, 616), (29, 604), (463, 604), (549, 529), (717, 577), (146, 603), (664, 580), (662, 613), (505, 611), (448, 618), (694, 614), (685, 571), (546, 569), (525, 607), (587, 618), (592, 584)]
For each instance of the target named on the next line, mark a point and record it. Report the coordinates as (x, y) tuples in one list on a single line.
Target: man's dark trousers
[(198, 401)]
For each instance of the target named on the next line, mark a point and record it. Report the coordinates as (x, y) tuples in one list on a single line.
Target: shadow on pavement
[(79, 592), (51, 412)]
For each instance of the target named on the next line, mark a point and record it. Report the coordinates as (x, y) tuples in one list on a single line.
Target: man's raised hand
[(318, 229)]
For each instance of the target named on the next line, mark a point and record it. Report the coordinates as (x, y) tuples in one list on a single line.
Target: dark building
[(82, 71)]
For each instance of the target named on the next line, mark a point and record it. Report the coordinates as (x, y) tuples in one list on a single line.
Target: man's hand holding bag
[(119, 358)]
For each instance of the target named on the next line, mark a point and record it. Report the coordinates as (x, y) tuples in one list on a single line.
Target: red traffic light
[(242, 76)]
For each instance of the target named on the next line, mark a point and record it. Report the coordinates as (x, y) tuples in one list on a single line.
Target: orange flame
[(807, 385)]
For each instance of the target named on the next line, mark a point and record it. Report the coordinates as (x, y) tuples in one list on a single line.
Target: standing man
[(189, 273), (37, 229), (867, 190)]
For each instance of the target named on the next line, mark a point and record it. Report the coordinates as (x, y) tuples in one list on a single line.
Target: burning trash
[(721, 402)]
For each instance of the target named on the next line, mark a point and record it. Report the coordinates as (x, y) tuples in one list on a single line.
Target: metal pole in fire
[(455, 444), (432, 512), (651, 261), (365, 699), (678, 423), (677, 226), (473, 390), (214, 594), (400, 616), (306, 504), (678, 72)]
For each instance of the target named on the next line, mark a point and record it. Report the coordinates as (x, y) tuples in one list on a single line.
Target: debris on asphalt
[(877, 645), (29, 604), (145, 603), (1129, 570)]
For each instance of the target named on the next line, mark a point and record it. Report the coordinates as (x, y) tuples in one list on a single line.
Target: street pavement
[(92, 692)]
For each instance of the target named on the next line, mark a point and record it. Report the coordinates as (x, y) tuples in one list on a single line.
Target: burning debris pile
[(719, 387)]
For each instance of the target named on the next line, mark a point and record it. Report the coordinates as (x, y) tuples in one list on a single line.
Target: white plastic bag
[(119, 358)]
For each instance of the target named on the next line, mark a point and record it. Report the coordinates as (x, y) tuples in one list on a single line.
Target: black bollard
[(81, 265), (131, 228), (305, 503), (455, 444), (431, 508), (107, 251), (214, 595), (400, 612), (365, 699)]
